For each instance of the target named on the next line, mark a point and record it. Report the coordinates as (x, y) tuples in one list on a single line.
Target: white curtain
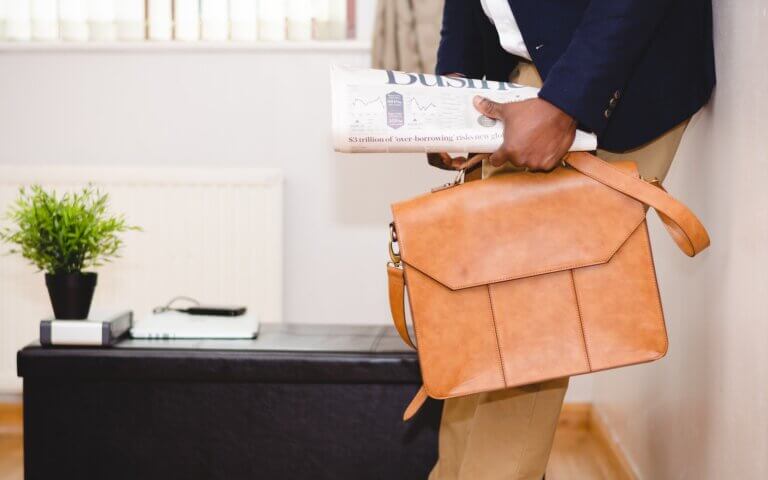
[(406, 34)]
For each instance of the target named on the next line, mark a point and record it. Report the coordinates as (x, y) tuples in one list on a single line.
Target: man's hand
[(537, 134)]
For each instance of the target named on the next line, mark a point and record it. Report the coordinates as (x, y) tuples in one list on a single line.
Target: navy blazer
[(628, 70)]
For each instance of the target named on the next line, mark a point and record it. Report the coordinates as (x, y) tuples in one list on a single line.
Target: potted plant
[(63, 236)]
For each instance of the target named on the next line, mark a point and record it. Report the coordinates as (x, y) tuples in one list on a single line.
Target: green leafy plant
[(64, 234)]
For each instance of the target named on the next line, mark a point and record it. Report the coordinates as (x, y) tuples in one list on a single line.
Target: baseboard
[(575, 416), (581, 416), (602, 434), (11, 418)]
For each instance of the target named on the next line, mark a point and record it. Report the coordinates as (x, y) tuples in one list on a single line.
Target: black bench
[(300, 402)]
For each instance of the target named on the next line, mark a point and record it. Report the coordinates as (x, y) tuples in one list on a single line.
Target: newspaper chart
[(378, 111)]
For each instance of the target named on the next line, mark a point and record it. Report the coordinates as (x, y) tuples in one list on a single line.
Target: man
[(631, 71)]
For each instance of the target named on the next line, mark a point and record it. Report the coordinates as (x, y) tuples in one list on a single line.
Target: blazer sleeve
[(587, 81), (461, 43)]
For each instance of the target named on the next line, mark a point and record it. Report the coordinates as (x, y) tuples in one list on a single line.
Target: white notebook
[(182, 325)]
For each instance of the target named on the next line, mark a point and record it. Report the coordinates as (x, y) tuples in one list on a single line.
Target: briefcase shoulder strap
[(397, 307), (681, 223), (397, 303)]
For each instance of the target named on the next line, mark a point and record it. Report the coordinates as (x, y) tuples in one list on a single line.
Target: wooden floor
[(11, 457), (579, 453)]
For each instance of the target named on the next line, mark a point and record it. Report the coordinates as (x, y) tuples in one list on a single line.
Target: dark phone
[(225, 311)]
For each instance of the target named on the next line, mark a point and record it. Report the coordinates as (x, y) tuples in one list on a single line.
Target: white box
[(365, 13), (321, 19), (338, 20), (300, 20), (214, 16), (101, 20), (45, 20), (272, 20), (2, 19), (18, 20), (160, 20), (73, 20), (130, 18), (187, 20), (244, 19)]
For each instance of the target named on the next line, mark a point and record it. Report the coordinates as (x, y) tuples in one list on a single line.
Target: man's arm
[(588, 80), (461, 44), (584, 85)]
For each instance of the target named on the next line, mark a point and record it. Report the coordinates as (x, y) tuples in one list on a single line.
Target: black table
[(299, 402)]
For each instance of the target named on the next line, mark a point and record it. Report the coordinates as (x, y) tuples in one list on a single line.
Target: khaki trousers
[(508, 434)]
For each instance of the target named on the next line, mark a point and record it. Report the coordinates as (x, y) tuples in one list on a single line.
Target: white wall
[(238, 107), (702, 413), (227, 107)]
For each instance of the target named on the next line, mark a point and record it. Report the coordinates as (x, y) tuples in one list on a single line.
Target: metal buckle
[(653, 181), (456, 181), (393, 255)]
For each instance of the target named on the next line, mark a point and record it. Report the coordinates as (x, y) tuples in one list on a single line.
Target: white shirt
[(500, 14)]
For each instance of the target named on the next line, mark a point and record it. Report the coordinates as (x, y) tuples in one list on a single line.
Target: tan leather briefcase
[(526, 277)]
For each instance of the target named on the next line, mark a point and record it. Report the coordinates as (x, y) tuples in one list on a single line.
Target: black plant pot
[(71, 294)]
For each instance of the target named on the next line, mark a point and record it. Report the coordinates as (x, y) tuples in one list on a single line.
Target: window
[(178, 20)]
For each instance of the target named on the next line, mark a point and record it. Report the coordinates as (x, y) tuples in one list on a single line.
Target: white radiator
[(212, 234)]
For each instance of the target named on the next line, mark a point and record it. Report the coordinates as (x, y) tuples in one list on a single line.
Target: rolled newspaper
[(378, 111)]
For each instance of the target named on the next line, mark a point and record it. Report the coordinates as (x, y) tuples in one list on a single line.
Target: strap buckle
[(456, 181), (394, 255), (653, 181)]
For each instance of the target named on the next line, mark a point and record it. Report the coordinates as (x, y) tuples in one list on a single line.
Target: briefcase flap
[(515, 225)]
